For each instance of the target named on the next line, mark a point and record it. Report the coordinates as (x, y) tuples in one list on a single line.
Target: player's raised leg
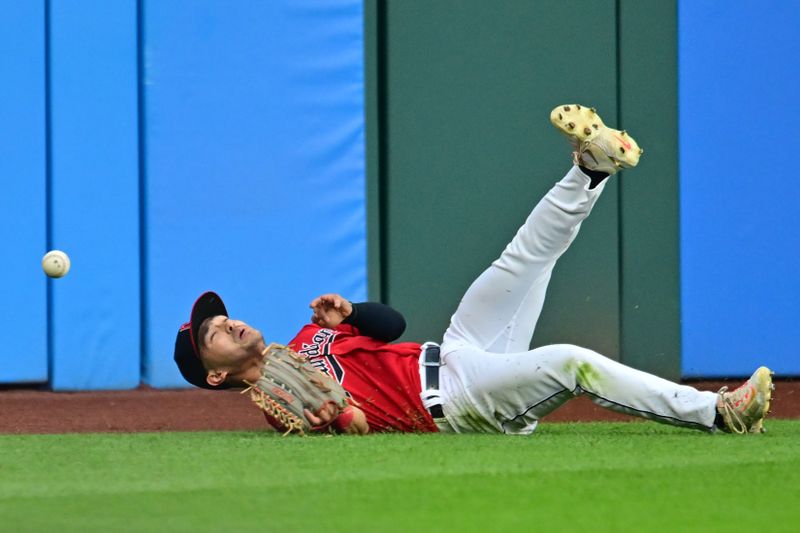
[(499, 311)]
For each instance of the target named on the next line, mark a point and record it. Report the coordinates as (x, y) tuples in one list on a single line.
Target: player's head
[(212, 351)]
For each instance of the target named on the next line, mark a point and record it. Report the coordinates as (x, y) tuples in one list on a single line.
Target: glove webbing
[(289, 420)]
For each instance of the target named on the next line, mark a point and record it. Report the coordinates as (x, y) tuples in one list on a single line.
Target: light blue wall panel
[(254, 163), (740, 248), (95, 217), (23, 355)]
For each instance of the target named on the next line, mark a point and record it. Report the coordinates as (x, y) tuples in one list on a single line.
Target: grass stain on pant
[(586, 376)]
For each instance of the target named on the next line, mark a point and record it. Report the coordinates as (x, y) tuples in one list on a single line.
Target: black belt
[(431, 360)]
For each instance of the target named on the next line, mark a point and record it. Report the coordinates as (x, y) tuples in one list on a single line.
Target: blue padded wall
[(253, 163), (23, 356), (740, 248), (95, 208)]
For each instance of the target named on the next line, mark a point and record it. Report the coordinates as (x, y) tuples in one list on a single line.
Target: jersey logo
[(318, 353)]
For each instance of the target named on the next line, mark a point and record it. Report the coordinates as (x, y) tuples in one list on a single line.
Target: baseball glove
[(289, 385)]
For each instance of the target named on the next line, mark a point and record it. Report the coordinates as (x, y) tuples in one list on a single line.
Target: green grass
[(565, 477)]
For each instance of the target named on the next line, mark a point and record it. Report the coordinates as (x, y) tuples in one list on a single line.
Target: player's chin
[(255, 338)]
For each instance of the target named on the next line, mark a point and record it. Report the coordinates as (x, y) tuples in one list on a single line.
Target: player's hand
[(324, 416), (352, 420), (330, 310)]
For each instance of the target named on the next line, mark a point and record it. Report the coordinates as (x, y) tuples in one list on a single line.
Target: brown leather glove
[(292, 393)]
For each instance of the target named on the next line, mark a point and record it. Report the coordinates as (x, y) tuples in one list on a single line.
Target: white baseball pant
[(491, 381)]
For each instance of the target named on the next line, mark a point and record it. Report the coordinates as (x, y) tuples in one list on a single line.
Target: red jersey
[(383, 378)]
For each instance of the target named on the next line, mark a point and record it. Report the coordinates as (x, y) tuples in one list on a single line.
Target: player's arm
[(352, 420), (377, 320), (372, 319)]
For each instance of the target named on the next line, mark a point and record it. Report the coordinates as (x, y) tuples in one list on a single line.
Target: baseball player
[(483, 377)]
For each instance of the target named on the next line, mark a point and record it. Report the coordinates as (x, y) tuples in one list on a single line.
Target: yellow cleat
[(744, 408), (597, 147)]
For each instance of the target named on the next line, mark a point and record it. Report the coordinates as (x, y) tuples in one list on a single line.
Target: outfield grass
[(566, 477)]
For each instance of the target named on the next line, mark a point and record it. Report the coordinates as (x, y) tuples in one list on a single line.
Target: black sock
[(595, 176), (719, 422)]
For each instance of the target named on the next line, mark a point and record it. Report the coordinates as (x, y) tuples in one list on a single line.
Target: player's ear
[(215, 378)]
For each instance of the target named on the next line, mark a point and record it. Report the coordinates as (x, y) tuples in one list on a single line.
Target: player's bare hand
[(330, 310), (324, 416), (352, 420)]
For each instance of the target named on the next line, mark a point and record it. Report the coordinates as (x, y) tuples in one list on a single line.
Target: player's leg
[(513, 391), (503, 304), (499, 311)]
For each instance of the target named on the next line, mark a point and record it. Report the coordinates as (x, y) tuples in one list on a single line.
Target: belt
[(430, 361)]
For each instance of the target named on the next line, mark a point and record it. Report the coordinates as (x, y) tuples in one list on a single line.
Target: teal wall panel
[(467, 149), (649, 243)]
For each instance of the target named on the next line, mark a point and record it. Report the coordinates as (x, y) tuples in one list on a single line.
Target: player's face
[(229, 343)]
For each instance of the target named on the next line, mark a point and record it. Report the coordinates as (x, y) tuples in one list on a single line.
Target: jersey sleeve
[(377, 320)]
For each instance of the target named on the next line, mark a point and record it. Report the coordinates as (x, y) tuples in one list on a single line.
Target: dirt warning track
[(146, 409)]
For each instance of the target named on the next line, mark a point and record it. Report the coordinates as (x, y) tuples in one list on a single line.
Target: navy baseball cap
[(187, 357)]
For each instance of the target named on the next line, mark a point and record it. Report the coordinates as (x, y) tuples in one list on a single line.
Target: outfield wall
[(23, 174), (171, 148), (174, 147), (465, 89), (253, 178), (682, 271), (740, 249)]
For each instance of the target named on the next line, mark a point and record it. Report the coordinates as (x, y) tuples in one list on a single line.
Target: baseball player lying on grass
[(349, 376)]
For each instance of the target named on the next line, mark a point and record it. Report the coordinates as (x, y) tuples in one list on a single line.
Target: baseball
[(55, 263)]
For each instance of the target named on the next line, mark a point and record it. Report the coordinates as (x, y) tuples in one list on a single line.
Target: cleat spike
[(624, 133), (596, 145), (641, 151)]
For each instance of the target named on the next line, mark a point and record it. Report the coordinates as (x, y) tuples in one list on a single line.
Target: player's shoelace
[(729, 413)]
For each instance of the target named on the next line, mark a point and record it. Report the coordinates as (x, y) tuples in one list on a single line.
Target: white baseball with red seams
[(55, 264)]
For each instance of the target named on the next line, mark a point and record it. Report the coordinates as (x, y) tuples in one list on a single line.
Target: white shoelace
[(730, 415)]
